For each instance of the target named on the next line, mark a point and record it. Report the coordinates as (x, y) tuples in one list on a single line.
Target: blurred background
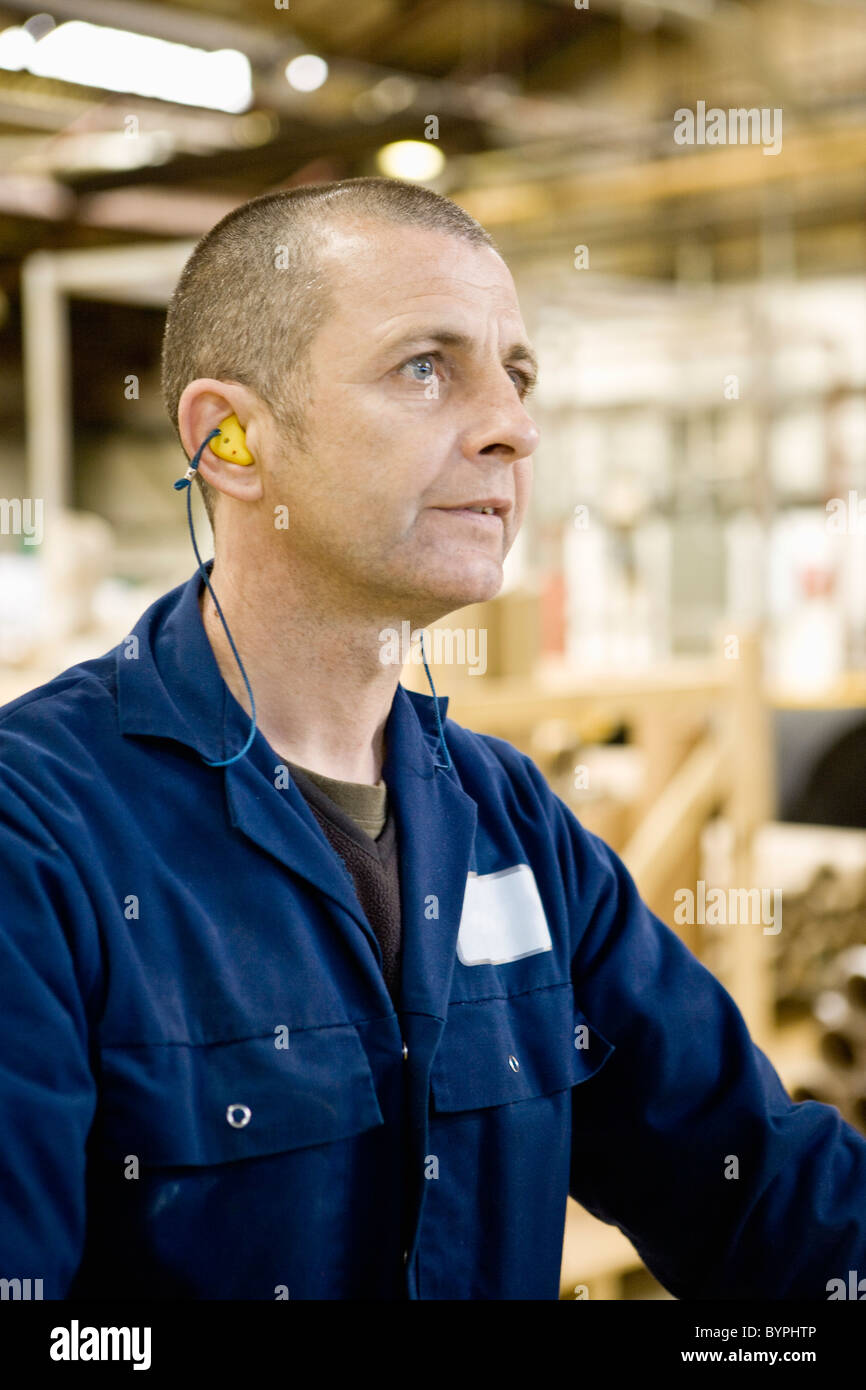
[(681, 639)]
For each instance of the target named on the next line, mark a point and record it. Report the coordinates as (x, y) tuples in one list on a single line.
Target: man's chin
[(427, 593), (459, 591)]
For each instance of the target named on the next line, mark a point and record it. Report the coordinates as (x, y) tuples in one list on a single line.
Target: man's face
[(401, 429)]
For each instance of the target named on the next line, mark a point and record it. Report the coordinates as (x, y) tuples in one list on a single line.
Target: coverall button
[(405, 1257), (405, 1052), (513, 1063), (238, 1116)]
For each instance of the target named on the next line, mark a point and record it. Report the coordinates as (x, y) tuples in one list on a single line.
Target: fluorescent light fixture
[(411, 159), (306, 72), (108, 149), (16, 46), (118, 61)]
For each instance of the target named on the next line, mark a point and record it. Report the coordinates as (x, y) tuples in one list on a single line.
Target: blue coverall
[(206, 1091)]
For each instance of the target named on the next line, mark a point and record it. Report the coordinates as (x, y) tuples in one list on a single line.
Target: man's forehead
[(392, 269)]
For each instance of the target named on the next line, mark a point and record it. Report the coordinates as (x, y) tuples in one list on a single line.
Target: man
[(350, 1014)]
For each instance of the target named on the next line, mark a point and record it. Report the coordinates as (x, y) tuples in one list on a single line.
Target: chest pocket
[(497, 1051), (502, 919), (184, 1104)]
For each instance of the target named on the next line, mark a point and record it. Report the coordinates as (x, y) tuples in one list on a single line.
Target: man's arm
[(687, 1139), (47, 1090)]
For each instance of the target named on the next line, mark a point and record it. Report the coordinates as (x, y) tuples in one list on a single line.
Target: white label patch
[(502, 918)]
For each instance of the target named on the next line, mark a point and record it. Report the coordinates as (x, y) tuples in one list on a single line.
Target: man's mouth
[(484, 517), (487, 512)]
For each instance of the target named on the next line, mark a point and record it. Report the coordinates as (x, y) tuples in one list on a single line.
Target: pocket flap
[(496, 1051), (178, 1104)]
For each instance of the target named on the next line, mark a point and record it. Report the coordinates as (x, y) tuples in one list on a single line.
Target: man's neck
[(322, 694)]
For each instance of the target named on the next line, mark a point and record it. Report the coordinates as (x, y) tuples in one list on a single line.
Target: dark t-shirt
[(360, 826)]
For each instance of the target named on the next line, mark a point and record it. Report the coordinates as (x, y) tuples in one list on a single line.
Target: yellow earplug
[(231, 443)]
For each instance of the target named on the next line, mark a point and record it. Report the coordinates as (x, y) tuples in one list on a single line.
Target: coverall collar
[(170, 685)]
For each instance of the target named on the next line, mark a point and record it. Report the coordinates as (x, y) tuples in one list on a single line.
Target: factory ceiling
[(555, 121)]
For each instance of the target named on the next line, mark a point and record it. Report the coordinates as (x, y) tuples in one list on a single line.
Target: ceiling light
[(16, 46), (411, 159), (118, 61), (306, 72)]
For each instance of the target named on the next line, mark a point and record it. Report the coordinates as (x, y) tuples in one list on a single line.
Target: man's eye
[(422, 357), (526, 384)]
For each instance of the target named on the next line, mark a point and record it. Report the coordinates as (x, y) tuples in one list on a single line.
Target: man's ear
[(228, 462)]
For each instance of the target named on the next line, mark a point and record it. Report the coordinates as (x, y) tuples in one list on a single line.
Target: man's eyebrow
[(448, 337)]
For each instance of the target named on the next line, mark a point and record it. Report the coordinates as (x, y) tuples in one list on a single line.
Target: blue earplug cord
[(185, 482)]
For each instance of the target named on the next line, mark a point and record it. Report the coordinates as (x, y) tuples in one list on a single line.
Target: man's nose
[(500, 422)]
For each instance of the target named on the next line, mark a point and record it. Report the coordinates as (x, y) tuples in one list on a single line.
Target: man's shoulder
[(492, 769), (488, 763), (72, 707), (469, 744), (494, 751)]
